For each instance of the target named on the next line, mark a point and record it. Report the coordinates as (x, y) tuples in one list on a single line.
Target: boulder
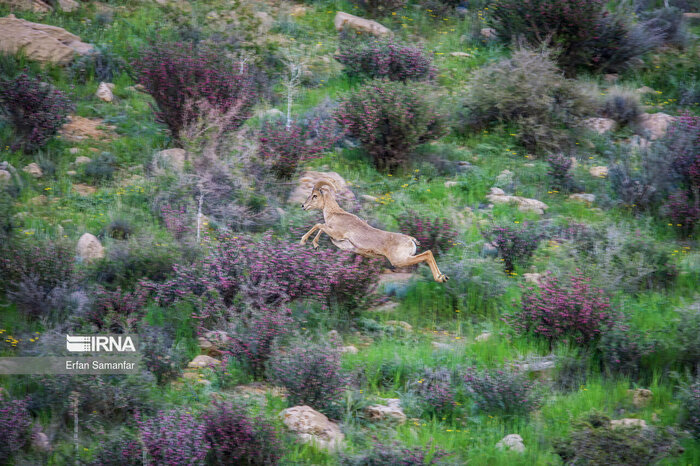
[(451, 184), (346, 20), (542, 368), (504, 179), (611, 77), (600, 125), (484, 336), (533, 278), (68, 5), (350, 349), (583, 197), (460, 54), (512, 442), (89, 248), (655, 124), (170, 158), (497, 196), (627, 422), (641, 397), (79, 128), (5, 176), (390, 412), (488, 33), (82, 160), (310, 178), (40, 442), (645, 90), (33, 169), (600, 171), (202, 361), (313, 427), (368, 198), (37, 6), (260, 390), (265, 22), (400, 323), (104, 92), (40, 42), (440, 346), (84, 189)]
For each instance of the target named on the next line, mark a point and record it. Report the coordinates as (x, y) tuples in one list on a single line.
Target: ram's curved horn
[(319, 184)]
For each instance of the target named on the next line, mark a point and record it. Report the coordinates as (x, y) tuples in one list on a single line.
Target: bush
[(621, 350), (161, 356), (119, 228), (594, 441), (572, 309), (527, 90), (668, 24), (434, 233), (311, 374), (103, 65), (173, 438), (394, 455), (286, 147), (571, 374), (501, 392), (118, 450), (687, 338), (269, 272), (183, 78), (383, 58), (35, 109), (434, 387), (237, 438), (254, 337), (689, 396), (379, 8), (586, 35), (15, 423), (38, 276), (514, 245), (560, 172), (390, 119), (621, 105), (101, 168), (117, 311)]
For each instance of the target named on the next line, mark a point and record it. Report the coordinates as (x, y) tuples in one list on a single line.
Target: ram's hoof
[(315, 245), (442, 278)]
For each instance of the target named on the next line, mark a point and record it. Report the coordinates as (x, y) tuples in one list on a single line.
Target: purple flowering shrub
[(178, 220), (237, 438), (434, 233), (269, 272), (383, 58), (185, 80), (515, 245), (15, 423), (621, 350), (390, 119), (560, 171), (174, 438), (690, 401), (434, 387), (37, 275), (119, 450), (502, 392), (311, 374), (683, 205), (394, 455), (284, 148), (117, 311), (559, 309), (254, 336), (36, 110)]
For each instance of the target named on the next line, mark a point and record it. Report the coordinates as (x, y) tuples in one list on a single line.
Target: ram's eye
[(314, 196)]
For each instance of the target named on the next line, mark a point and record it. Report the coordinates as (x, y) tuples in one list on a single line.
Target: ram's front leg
[(314, 243), (310, 232)]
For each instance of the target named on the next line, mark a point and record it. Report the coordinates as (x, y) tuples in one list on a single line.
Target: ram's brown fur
[(351, 233)]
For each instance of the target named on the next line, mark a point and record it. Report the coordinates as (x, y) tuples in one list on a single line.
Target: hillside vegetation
[(546, 151)]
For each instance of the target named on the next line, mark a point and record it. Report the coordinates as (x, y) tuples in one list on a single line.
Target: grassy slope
[(471, 437)]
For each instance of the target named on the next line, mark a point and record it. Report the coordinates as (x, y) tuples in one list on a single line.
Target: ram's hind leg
[(426, 257)]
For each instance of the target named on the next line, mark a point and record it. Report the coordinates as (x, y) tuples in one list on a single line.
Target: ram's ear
[(324, 184)]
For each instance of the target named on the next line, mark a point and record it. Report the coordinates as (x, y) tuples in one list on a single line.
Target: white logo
[(98, 343)]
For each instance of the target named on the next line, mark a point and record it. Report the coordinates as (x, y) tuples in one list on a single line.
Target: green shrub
[(595, 441), (101, 168), (621, 105), (379, 8), (390, 119), (689, 397), (527, 90)]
